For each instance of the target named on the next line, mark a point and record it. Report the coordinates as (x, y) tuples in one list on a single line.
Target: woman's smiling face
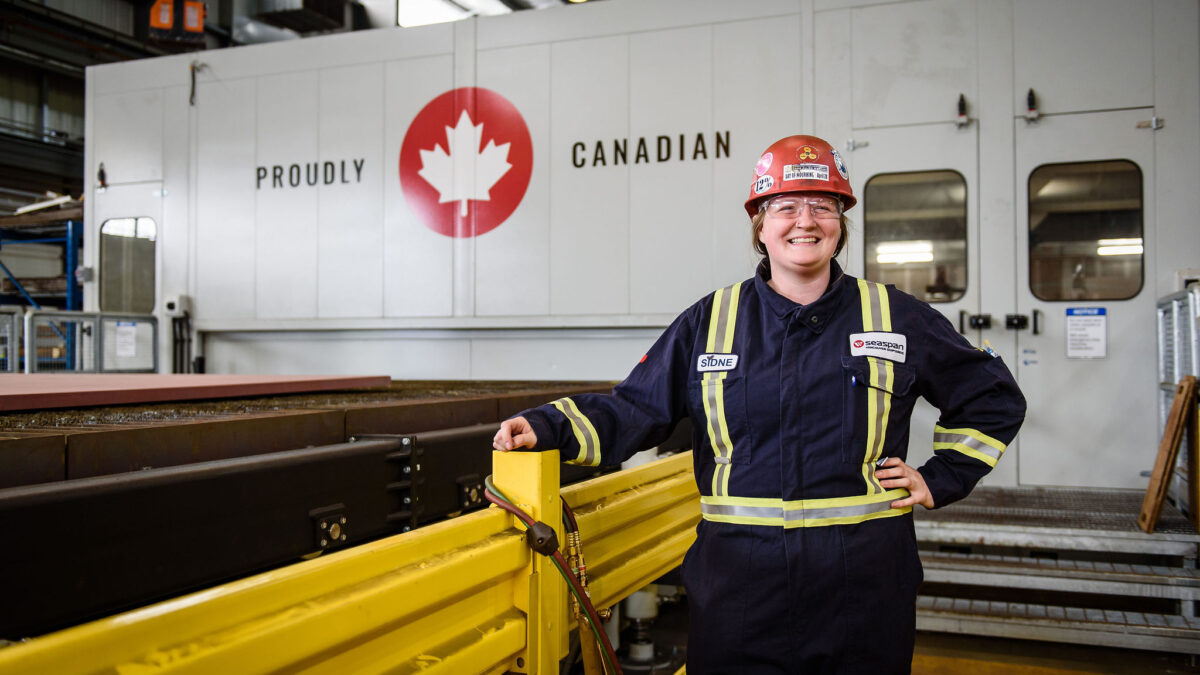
[(801, 231)]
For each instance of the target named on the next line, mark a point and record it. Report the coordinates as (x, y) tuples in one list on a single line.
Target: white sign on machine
[(126, 339), (1087, 332)]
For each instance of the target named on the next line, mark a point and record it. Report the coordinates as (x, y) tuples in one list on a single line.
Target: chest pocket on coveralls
[(871, 386)]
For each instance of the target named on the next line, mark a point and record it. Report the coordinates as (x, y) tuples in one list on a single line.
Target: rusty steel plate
[(105, 450), (42, 391), (40, 446), (32, 457)]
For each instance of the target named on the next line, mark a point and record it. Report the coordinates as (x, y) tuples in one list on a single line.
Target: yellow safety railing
[(463, 596)]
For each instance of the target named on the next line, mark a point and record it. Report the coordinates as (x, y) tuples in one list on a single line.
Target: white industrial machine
[(536, 195)]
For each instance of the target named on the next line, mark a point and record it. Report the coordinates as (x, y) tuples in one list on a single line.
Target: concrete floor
[(946, 654)]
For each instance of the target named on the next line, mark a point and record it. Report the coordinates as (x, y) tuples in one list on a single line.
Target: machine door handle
[(975, 321), (1021, 322), (1016, 321)]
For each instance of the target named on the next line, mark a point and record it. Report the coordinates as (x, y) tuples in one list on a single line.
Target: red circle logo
[(858, 344), (465, 162)]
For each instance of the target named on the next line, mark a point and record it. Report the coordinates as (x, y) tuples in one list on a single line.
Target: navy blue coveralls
[(800, 565)]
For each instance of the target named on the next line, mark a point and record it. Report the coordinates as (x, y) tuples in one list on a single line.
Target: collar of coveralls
[(814, 315)]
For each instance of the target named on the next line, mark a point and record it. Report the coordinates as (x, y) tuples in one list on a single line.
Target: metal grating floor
[(1104, 510), (1072, 625)]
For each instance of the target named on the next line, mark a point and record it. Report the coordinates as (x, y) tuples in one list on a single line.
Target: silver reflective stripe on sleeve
[(969, 442), (585, 433)]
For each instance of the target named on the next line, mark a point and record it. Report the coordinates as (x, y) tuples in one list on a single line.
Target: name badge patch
[(890, 346), (712, 362), (806, 172)]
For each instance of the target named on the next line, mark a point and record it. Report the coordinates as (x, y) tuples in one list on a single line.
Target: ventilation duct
[(303, 16)]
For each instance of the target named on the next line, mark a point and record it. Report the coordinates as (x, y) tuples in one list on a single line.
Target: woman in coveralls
[(798, 382)]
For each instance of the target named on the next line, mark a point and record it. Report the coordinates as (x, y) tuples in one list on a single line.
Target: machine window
[(915, 231), (1085, 230), (127, 265)]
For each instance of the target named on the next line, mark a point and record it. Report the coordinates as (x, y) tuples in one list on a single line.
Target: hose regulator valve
[(541, 538)]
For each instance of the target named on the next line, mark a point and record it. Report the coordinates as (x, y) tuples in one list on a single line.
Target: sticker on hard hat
[(890, 346), (764, 164), (806, 172), (806, 152), (714, 362), (763, 184), (841, 166)]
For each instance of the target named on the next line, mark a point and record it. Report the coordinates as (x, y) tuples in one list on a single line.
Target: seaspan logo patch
[(713, 362), (890, 346)]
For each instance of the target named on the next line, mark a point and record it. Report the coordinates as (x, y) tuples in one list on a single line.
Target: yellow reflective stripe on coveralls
[(802, 512), (877, 316), (585, 433), (712, 384), (969, 442)]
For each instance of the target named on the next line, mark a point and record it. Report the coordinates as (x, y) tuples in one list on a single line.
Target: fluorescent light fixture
[(1135, 249), (1127, 246), (918, 246), (896, 258), (896, 252)]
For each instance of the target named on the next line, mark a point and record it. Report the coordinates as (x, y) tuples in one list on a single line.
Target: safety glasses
[(791, 206)]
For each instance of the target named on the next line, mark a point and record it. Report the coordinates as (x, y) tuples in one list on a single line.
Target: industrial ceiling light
[(897, 252), (1130, 246)]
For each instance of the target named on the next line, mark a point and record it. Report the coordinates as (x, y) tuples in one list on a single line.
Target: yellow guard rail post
[(531, 480), (461, 596)]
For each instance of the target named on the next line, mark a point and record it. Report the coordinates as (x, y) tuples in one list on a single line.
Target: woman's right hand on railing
[(514, 433)]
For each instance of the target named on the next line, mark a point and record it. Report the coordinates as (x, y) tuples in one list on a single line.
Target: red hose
[(571, 579)]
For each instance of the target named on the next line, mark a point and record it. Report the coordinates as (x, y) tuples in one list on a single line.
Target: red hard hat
[(800, 164)]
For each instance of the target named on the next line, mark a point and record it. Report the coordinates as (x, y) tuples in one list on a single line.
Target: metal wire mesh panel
[(60, 342), (10, 338), (129, 343), (1190, 332), (1166, 342)]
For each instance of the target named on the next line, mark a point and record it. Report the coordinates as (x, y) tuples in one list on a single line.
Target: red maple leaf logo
[(466, 161)]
